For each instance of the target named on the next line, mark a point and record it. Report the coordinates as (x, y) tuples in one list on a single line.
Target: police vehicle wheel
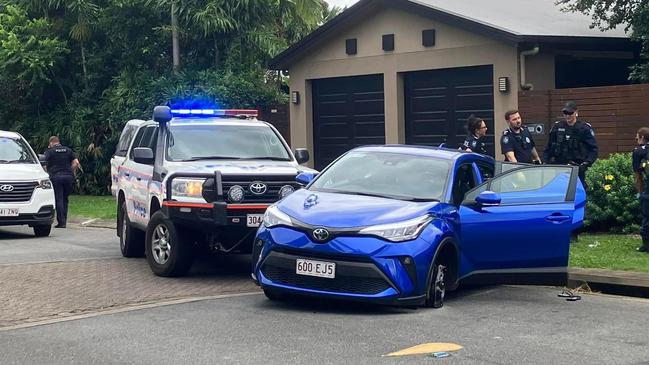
[(42, 231), (437, 286), (167, 252), (131, 240)]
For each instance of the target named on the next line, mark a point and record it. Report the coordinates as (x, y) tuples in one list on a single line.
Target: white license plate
[(254, 220), (320, 269), (8, 212)]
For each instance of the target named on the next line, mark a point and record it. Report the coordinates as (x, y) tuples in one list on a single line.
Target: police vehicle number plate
[(320, 269), (254, 220), (9, 212)]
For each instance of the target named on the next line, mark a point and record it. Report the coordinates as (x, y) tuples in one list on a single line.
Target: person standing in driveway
[(476, 129), (516, 142), (62, 165), (640, 162)]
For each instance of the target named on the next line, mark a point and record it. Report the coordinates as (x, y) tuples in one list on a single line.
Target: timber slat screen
[(615, 112)]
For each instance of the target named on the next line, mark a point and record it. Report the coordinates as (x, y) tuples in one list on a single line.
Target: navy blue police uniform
[(59, 166), (640, 162), (572, 145), (474, 144), (520, 143)]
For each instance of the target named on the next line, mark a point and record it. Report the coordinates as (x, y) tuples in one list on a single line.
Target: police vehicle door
[(138, 176), (525, 238)]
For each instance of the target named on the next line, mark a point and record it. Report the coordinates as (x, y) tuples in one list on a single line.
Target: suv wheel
[(167, 251), (42, 231), (131, 240)]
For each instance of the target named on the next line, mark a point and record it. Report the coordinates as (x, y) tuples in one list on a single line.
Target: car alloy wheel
[(439, 286), (161, 244)]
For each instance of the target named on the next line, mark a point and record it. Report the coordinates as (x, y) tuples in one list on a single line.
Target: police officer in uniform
[(62, 165), (476, 129), (640, 162), (572, 142), (516, 142)]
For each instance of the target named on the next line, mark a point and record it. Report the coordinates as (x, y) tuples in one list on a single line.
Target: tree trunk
[(83, 64), (217, 53), (174, 37)]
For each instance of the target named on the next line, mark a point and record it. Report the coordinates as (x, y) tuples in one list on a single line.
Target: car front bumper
[(367, 268)]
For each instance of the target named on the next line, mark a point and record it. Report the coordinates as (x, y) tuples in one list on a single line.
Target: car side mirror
[(302, 155), (488, 198), (305, 178), (143, 155), (42, 159)]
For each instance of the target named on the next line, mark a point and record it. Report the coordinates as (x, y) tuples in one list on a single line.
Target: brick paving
[(35, 292)]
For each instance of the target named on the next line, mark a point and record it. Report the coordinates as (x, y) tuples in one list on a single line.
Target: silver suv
[(200, 180)]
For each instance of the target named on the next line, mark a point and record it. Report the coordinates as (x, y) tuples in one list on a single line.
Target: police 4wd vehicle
[(200, 179)]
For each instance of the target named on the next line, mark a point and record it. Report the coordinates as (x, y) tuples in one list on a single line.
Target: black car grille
[(21, 191), (273, 183), (351, 277)]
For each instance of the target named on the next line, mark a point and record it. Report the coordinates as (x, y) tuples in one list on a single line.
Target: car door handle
[(138, 178), (557, 218), (127, 174)]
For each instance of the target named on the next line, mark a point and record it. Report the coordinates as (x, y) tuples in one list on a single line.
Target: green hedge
[(612, 204)]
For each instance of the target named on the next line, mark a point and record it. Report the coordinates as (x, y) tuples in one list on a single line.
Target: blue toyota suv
[(404, 224)]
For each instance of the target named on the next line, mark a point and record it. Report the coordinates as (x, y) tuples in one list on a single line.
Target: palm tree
[(85, 12)]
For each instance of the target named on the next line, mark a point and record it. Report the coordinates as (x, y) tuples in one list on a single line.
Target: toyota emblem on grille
[(6, 188), (258, 188), (320, 234)]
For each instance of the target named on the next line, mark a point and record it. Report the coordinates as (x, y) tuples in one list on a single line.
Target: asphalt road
[(495, 325), (501, 325), (18, 245)]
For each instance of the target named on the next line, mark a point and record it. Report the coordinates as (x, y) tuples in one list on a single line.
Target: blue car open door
[(516, 227)]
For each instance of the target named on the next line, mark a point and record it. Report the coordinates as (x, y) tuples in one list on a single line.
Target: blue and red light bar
[(250, 113)]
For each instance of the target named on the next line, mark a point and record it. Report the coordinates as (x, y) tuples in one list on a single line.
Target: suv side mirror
[(42, 160), (143, 155), (162, 114), (302, 155), (305, 178), (488, 198)]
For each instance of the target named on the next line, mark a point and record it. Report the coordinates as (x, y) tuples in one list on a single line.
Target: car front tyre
[(167, 253), (437, 287), (131, 240), (42, 231)]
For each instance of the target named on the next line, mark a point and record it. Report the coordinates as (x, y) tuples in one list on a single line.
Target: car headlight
[(236, 194), (187, 188), (275, 217), (400, 231), (285, 191), (45, 184)]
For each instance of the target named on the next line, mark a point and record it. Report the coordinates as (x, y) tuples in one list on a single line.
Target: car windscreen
[(13, 150), (384, 174), (237, 142)]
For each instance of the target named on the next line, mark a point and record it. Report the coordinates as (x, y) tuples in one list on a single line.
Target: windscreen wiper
[(267, 158), (200, 158)]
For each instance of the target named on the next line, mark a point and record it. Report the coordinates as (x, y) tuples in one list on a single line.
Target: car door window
[(137, 141), (463, 182), (486, 171), (529, 185), (125, 140)]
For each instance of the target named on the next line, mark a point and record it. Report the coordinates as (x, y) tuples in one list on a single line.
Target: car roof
[(9, 134), (425, 151)]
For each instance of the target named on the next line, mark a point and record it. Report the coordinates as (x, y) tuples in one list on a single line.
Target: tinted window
[(15, 151), (486, 171), (536, 185), (196, 142), (385, 174), (125, 140), (463, 182), (137, 140)]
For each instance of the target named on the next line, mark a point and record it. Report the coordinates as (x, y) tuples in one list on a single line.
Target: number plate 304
[(320, 269)]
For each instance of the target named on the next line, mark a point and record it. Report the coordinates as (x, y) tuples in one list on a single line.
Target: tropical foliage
[(81, 68)]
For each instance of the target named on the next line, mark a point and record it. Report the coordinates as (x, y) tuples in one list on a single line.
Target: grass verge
[(609, 251), (85, 206)]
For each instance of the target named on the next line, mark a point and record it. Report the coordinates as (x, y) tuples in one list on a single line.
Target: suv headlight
[(187, 188), (400, 231), (45, 184), (275, 217)]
